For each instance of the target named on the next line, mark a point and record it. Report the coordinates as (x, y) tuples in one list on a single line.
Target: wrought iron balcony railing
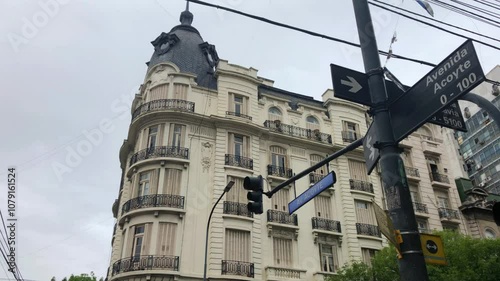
[(157, 105), (239, 161), (160, 151), (282, 217), (439, 177), (279, 171), (145, 263), (419, 207), (367, 229), (314, 178), (236, 208), (349, 136), (448, 214), (237, 268), (412, 172), (326, 224), (361, 185), (277, 126), (237, 114), (156, 200)]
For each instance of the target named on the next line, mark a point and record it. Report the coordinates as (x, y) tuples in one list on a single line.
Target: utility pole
[(412, 265)]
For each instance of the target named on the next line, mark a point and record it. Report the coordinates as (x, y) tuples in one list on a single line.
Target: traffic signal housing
[(254, 196)]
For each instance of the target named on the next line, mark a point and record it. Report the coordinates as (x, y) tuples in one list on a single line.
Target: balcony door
[(278, 158), (144, 184)]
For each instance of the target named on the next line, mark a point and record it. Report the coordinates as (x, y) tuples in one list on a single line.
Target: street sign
[(385, 224), (353, 86), (312, 192), (433, 249), (449, 117), (371, 153), (350, 85), (458, 74)]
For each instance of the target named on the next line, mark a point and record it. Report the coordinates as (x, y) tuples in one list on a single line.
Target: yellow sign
[(385, 225), (433, 249)]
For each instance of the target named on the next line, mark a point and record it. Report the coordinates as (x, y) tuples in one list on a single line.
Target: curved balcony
[(237, 114), (326, 224), (238, 161), (152, 201), (361, 185), (367, 229), (236, 208), (285, 129), (237, 268), (279, 171), (145, 263), (159, 105), (160, 151)]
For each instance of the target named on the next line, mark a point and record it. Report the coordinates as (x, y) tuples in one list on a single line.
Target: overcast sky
[(67, 68)]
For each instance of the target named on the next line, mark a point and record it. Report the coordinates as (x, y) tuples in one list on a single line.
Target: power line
[(435, 26), (476, 8), (438, 21), (305, 31), (464, 12), (489, 4)]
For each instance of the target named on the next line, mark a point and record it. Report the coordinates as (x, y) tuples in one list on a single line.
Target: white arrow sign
[(431, 247), (370, 147), (355, 86)]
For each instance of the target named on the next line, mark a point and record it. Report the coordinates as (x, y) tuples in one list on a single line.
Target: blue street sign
[(312, 192)]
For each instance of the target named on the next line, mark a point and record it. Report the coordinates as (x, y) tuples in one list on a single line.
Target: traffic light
[(254, 184), (496, 213)]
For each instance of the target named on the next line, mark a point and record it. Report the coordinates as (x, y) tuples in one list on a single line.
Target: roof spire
[(186, 16)]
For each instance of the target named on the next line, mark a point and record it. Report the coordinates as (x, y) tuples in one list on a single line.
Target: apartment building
[(199, 122)]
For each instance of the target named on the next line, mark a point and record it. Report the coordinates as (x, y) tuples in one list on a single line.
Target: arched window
[(488, 233), (426, 133), (274, 114), (312, 123)]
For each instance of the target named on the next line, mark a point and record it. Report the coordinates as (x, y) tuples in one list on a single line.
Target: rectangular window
[(172, 181), (314, 159), (237, 104), (357, 170), (180, 91), (152, 136), (367, 255), (422, 225), (237, 245), (283, 252), (177, 133), (322, 206), (406, 156), (351, 131), (364, 212), (138, 241), (144, 183), (443, 202), (328, 257), (239, 145), (415, 196), (237, 192), (166, 239)]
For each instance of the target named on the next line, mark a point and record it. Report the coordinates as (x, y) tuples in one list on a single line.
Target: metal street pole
[(412, 265), (226, 189)]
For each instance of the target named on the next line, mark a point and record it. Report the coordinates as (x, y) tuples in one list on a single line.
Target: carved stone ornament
[(206, 156), (273, 231)]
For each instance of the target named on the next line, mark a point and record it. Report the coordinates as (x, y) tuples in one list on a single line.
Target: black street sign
[(350, 85), (455, 76), (449, 117), (346, 81), (371, 153)]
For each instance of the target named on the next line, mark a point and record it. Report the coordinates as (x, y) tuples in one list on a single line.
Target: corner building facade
[(199, 122)]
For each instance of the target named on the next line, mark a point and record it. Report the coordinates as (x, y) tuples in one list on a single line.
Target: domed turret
[(185, 47)]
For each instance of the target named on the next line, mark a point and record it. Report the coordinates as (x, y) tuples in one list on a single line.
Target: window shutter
[(237, 245), (231, 144), (147, 239), (183, 136), (280, 200), (365, 215), (130, 241), (135, 185), (155, 175), (144, 142), (282, 249), (180, 91), (159, 135), (158, 93), (322, 206), (231, 102), (246, 146), (172, 181), (357, 170), (166, 239)]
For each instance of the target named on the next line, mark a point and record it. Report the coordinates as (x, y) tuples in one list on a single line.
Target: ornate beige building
[(199, 122)]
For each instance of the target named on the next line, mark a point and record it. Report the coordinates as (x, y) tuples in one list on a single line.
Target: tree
[(468, 259), (81, 277)]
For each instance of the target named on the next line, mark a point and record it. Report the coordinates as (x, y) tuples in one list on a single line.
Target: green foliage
[(468, 260), (81, 277)]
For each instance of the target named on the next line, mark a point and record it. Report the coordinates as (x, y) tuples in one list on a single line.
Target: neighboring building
[(199, 122), (479, 147), (477, 207)]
